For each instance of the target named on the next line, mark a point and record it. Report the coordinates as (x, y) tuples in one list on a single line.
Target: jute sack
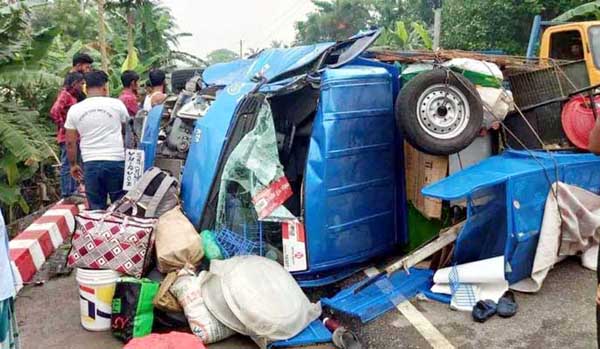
[(164, 299), (177, 242)]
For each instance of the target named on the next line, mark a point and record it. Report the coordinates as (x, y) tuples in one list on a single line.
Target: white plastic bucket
[(96, 291)]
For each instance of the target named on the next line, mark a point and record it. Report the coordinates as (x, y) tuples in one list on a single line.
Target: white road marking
[(435, 338)]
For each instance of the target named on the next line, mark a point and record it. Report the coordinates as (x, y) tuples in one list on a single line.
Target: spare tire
[(180, 77), (439, 112)]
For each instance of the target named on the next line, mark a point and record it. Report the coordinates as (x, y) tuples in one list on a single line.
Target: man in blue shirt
[(8, 324)]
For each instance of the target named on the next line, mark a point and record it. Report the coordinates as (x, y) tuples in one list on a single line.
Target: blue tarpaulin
[(382, 295), (315, 333)]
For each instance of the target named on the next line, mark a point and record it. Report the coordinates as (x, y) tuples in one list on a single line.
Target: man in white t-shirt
[(99, 122)]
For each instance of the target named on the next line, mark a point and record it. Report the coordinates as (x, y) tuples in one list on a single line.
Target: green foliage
[(466, 24), (584, 12), (155, 33), (334, 21), (402, 39), (495, 24), (12, 21), (76, 22), (341, 19), (25, 140), (221, 56)]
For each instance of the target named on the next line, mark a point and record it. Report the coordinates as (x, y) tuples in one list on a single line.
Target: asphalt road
[(561, 315)]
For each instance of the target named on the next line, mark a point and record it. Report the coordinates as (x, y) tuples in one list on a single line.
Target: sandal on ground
[(484, 310), (507, 306)]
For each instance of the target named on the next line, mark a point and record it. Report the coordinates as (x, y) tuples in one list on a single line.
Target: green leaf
[(23, 204), (401, 32), (131, 62), (9, 164), (9, 195), (585, 11), (21, 136), (423, 34), (41, 44)]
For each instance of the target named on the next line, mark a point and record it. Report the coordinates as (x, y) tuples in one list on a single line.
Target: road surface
[(562, 315)]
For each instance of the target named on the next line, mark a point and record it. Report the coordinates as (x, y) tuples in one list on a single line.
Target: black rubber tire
[(406, 113), (180, 77)]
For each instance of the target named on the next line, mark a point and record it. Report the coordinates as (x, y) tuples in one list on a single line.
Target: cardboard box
[(421, 170)]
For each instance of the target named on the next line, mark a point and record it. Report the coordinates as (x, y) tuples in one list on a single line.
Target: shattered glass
[(251, 167)]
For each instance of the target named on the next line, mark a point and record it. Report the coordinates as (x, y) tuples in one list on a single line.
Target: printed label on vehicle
[(134, 168), (273, 196), (294, 246)]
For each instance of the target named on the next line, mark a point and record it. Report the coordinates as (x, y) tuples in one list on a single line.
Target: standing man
[(99, 121), (82, 63), (156, 79), (129, 97), (67, 97)]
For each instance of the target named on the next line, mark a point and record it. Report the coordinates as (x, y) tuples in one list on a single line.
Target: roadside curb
[(30, 248)]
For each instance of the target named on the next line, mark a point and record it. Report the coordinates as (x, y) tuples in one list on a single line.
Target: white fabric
[(580, 211), (7, 280), (264, 297), (497, 102), (477, 66), (479, 280), (148, 101), (99, 123)]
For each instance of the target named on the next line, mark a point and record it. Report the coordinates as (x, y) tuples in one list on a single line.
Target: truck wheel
[(180, 77), (439, 112)]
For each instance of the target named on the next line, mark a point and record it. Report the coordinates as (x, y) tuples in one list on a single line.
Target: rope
[(553, 190)]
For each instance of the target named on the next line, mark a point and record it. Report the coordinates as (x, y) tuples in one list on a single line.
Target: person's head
[(96, 83), (156, 79), (130, 79), (576, 51), (73, 82), (82, 63)]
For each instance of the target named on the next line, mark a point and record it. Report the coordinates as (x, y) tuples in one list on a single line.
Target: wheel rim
[(443, 111)]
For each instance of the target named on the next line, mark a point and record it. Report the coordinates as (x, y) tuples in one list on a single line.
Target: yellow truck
[(570, 42)]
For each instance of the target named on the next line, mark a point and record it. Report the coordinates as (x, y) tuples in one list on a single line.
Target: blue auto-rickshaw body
[(354, 205)]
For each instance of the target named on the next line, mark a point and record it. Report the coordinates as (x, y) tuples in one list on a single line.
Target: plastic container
[(96, 291), (233, 244)]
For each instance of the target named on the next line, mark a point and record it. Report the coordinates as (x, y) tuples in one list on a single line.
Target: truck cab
[(578, 41)]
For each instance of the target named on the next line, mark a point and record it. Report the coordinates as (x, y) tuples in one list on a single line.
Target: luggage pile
[(143, 269)]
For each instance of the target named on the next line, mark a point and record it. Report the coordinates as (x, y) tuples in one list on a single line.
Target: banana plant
[(588, 11), (25, 141), (401, 38)]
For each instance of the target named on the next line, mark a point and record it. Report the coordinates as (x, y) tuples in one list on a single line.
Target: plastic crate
[(235, 244)]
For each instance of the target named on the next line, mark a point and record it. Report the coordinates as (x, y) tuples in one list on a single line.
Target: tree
[(80, 25), (341, 19), (25, 140), (333, 21), (495, 24), (102, 35), (403, 39), (221, 55), (129, 7), (587, 11), (36, 48)]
